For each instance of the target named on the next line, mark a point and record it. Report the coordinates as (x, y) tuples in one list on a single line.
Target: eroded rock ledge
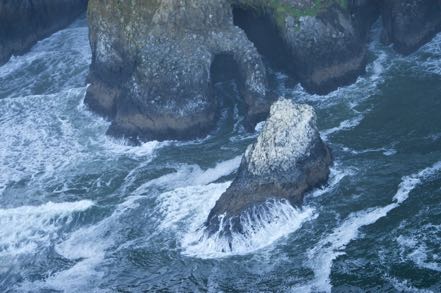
[(287, 159), (150, 72), (151, 66), (24, 22), (325, 45), (152, 60)]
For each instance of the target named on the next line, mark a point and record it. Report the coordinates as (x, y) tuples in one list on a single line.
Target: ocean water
[(82, 212)]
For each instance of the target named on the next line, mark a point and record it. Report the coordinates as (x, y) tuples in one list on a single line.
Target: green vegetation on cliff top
[(284, 8)]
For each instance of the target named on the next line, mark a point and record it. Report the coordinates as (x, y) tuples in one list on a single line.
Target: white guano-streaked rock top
[(286, 138)]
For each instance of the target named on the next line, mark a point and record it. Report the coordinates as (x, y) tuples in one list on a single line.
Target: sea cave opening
[(227, 83), (261, 29)]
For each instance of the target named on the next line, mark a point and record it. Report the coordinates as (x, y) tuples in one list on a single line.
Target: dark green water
[(81, 212)]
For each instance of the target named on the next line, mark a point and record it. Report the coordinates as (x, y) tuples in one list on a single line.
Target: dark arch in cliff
[(227, 81), (260, 29)]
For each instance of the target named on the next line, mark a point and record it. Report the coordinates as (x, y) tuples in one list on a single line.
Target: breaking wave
[(262, 226), (185, 208)]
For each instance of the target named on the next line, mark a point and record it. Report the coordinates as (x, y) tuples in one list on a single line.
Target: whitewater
[(83, 212)]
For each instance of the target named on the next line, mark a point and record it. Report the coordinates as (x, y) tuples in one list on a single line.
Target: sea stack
[(288, 159)]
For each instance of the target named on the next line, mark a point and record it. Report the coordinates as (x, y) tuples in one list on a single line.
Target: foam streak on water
[(262, 226), (94, 212), (427, 58), (419, 247), (328, 249), (26, 229), (344, 125), (338, 173), (193, 175), (186, 207), (88, 247)]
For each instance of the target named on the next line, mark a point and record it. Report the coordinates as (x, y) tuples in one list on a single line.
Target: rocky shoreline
[(152, 68), (155, 64)]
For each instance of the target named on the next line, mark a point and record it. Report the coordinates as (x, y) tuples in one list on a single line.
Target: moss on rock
[(281, 9)]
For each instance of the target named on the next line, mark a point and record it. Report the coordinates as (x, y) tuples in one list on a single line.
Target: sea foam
[(328, 249), (193, 194), (28, 228)]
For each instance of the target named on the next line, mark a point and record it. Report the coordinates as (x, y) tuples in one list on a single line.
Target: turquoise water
[(80, 211)]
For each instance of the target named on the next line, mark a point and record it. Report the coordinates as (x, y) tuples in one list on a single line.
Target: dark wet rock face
[(320, 44), (364, 13), (288, 159), (262, 30), (151, 68), (408, 24), (24, 22), (327, 50), (154, 63)]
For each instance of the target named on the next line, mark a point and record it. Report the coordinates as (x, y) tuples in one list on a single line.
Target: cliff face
[(287, 159), (151, 66), (408, 24), (150, 72), (24, 22), (153, 61), (327, 50), (364, 13), (325, 46)]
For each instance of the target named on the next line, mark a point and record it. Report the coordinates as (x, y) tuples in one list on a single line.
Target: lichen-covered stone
[(285, 139), (287, 159), (24, 22)]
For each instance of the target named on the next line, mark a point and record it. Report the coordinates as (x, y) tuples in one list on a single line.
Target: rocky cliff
[(151, 66), (151, 69), (24, 22), (325, 45), (153, 62)]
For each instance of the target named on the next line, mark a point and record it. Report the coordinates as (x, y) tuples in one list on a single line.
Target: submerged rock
[(151, 66), (287, 159), (408, 24), (24, 22)]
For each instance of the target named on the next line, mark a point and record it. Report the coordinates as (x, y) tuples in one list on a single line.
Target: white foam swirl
[(27, 228), (262, 227), (328, 249)]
